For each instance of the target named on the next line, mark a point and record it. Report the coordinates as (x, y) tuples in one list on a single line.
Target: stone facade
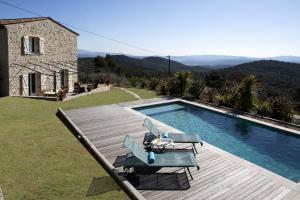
[(59, 53)]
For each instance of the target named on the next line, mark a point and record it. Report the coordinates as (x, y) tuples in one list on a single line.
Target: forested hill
[(275, 73), (152, 64)]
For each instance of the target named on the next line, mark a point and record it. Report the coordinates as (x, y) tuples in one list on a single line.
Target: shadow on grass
[(102, 185)]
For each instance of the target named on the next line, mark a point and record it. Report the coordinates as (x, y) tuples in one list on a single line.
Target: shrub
[(153, 82), (247, 93), (107, 79), (196, 88), (281, 108), (173, 87), (214, 80), (142, 83), (228, 99), (263, 108), (133, 81), (162, 87), (183, 79), (211, 93), (241, 96), (121, 81)]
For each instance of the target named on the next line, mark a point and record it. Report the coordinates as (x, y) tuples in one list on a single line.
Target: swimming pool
[(273, 149)]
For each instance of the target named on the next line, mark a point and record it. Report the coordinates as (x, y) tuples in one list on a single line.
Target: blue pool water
[(273, 149)]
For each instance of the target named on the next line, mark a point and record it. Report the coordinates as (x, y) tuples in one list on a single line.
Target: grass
[(144, 93), (41, 159)]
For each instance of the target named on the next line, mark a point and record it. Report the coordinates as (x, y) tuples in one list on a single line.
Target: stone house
[(37, 56)]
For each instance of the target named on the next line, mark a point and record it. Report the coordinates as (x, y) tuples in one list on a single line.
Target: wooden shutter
[(21, 87), (41, 46), (26, 45), (66, 78), (36, 45), (38, 83)]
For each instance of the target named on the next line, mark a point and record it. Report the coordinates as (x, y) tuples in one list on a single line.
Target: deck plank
[(219, 177)]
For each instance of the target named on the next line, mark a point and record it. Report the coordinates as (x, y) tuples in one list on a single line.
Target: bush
[(162, 87), (173, 87), (121, 81), (153, 83), (196, 88), (281, 108), (107, 79), (142, 83), (211, 93), (263, 108), (133, 81), (214, 80), (229, 99), (247, 92), (183, 79)]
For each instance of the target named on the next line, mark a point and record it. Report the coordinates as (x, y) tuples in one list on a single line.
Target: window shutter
[(36, 45), (26, 45), (41, 46), (38, 83)]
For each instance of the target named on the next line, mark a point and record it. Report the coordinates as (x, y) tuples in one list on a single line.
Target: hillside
[(277, 76), (148, 64), (157, 64)]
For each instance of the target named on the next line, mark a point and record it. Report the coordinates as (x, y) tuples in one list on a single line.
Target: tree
[(214, 80), (100, 63), (247, 91), (183, 78), (111, 63), (196, 88)]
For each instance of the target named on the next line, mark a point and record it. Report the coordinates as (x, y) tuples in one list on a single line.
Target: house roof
[(4, 22)]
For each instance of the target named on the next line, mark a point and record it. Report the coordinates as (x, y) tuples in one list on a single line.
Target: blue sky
[(178, 27)]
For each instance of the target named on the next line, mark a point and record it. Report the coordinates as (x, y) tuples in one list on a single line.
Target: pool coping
[(244, 162)]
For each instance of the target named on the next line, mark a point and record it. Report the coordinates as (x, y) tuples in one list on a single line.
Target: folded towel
[(165, 134), (151, 157)]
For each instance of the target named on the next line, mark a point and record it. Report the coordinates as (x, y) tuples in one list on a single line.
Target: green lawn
[(41, 159), (144, 93)]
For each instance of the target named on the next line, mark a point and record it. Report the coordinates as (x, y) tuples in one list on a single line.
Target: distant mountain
[(85, 53), (220, 61), (213, 61), (208, 61), (153, 64), (277, 76)]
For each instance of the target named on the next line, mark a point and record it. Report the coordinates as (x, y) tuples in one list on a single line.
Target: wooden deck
[(222, 175)]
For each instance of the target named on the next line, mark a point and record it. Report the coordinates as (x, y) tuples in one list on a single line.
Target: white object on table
[(162, 143)]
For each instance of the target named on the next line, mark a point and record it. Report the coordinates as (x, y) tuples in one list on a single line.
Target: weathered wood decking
[(222, 175)]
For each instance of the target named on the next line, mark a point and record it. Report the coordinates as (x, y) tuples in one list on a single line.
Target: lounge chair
[(176, 137), (138, 157)]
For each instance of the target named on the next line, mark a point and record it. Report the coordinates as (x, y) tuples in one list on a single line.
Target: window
[(33, 45)]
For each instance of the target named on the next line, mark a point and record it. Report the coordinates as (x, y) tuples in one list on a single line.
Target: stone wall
[(3, 63), (60, 52)]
